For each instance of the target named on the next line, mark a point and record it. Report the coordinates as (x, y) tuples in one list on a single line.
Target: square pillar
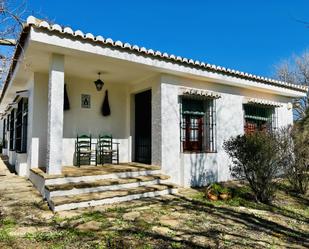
[(55, 114)]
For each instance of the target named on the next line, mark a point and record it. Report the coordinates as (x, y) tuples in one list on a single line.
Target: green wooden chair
[(83, 150), (107, 151)]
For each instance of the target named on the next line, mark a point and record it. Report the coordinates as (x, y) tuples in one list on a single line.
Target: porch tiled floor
[(89, 170)]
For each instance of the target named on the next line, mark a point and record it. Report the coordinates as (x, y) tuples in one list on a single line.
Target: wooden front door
[(143, 127)]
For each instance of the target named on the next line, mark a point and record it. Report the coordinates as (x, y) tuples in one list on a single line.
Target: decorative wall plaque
[(86, 101)]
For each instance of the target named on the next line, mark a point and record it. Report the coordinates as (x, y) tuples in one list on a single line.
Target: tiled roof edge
[(31, 20)]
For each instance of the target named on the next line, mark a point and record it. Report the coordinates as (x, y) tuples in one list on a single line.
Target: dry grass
[(185, 220)]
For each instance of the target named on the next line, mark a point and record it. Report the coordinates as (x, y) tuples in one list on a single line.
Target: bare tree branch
[(296, 71), (11, 24), (303, 22), (8, 42)]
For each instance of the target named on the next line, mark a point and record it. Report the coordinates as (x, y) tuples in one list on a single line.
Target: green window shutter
[(193, 106)]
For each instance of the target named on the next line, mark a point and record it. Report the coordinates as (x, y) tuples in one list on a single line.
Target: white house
[(166, 111)]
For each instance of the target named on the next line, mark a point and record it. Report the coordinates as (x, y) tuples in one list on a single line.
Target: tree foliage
[(297, 168), (257, 157)]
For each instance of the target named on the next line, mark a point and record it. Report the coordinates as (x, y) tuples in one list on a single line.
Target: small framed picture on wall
[(86, 101)]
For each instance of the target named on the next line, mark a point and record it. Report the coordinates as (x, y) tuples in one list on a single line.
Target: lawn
[(187, 220)]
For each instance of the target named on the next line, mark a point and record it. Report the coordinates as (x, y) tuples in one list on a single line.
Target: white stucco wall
[(37, 120), (79, 120), (12, 157), (21, 166), (55, 114), (193, 169)]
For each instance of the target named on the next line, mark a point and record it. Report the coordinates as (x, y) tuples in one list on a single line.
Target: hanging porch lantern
[(99, 83)]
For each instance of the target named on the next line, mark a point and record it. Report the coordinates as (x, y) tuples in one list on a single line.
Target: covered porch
[(85, 115), (133, 92)]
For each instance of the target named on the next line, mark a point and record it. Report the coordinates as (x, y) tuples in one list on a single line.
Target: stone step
[(91, 170), (102, 185), (60, 203), (76, 179), (92, 173)]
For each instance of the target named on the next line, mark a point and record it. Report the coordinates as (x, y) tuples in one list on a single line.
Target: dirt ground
[(185, 220)]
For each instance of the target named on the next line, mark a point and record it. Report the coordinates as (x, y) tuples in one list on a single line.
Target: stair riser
[(77, 191), (111, 200), (100, 177)]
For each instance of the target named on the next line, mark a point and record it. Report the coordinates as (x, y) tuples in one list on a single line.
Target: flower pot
[(212, 196), (224, 196)]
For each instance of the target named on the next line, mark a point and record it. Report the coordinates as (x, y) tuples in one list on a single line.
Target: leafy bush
[(257, 157), (298, 174), (296, 169)]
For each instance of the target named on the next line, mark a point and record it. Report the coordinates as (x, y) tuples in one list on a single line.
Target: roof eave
[(19, 49), (39, 24), (162, 56)]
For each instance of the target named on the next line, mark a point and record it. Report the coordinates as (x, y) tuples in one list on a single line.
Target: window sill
[(21, 152), (199, 152)]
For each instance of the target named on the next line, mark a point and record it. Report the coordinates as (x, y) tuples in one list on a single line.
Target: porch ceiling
[(85, 65), (77, 64)]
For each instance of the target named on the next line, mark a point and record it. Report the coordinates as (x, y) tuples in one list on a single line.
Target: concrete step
[(60, 203), (102, 185)]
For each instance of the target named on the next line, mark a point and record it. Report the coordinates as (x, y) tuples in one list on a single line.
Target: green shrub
[(256, 157), (296, 169)]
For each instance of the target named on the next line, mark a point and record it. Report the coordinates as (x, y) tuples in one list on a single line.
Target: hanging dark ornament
[(66, 102), (105, 110)]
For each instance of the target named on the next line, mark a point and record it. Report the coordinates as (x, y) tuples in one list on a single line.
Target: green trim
[(257, 117), (194, 113)]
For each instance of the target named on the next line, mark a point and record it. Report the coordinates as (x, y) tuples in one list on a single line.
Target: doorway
[(143, 127)]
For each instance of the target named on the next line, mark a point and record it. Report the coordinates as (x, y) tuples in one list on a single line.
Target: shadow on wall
[(203, 169), (206, 168)]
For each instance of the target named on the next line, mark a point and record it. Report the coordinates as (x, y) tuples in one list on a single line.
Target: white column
[(55, 114)]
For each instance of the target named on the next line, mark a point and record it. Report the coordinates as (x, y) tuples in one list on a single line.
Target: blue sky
[(251, 36)]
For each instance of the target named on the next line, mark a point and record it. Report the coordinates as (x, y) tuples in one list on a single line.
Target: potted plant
[(216, 191), (225, 194), (212, 195)]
